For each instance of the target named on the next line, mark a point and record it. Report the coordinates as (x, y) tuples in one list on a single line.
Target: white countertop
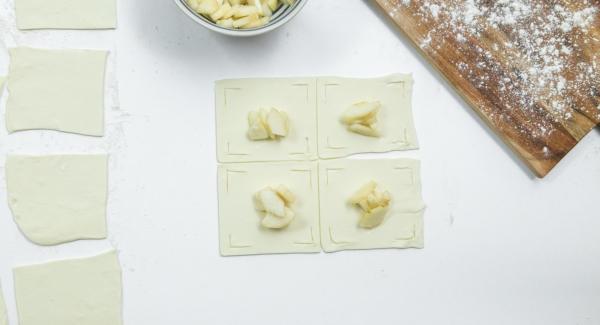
[(502, 247)]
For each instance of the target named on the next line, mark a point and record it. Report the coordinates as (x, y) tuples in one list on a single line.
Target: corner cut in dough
[(66, 14), (84, 291), (59, 90), (58, 199)]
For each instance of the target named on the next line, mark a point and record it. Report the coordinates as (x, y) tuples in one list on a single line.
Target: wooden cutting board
[(529, 68)]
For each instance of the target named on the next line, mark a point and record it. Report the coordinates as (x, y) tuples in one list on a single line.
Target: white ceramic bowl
[(280, 17)]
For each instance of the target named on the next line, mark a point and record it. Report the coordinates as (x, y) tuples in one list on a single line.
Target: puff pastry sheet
[(236, 98), (60, 198), (403, 225), (240, 230), (66, 14), (395, 120), (86, 291), (59, 90)]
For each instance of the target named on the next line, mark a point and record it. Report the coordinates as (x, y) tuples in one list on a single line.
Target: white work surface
[(501, 247)]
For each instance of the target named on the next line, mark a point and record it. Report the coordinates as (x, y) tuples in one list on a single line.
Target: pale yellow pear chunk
[(367, 131), (271, 202), (278, 123), (363, 192), (360, 111), (374, 204), (275, 203), (275, 222), (257, 130), (286, 194), (268, 124), (373, 218), (361, 118)]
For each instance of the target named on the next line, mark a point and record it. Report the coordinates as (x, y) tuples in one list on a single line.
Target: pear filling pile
[(361, 118), (374, 204), (238, 14), (268, 124), (275, 205)]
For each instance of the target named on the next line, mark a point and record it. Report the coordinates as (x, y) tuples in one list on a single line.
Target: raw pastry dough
[(236, 98), (66, 14), (240, 230), (3, 314), (395, 121), (57, 199), (83, 291), (56, 89), (2, 79), (403, 225)]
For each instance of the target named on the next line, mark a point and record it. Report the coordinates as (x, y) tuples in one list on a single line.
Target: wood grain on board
[(536, 86)]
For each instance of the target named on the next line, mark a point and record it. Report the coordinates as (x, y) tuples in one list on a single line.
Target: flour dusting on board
[(549, 72)]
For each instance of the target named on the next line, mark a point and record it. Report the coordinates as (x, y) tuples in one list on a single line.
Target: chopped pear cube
[(221, 12), (244, 11), (275, 222), (373, 218), (374, 204), (272, 203), (364, 205), (273, 4), (363, 192), (206, 7), (275, 203), (278, 123), (360, 111), (256, 127), (361, 129), (227, 23), (285, 194)]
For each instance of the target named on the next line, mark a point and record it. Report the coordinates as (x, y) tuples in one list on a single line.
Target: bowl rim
[(286, 17)]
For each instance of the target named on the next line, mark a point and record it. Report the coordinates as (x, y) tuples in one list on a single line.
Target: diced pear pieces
[(361, 118), (272, 124), (275, 203), (242, 14), (374, 204)]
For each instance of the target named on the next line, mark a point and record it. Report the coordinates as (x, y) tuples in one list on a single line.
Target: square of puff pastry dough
[(236, 98), (85, 291), (3, 314), (403, 224), (395, 120), (59, 198), (59, 90), (241, 232), (66, 14)]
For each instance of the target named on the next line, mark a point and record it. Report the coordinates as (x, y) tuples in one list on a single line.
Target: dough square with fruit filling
[(394, 120), (402, 226), (241, 232), (235, 99), (85, 291), (56, 89), (66, 14)]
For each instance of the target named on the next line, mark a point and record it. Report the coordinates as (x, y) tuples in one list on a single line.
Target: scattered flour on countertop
[(547, 68)]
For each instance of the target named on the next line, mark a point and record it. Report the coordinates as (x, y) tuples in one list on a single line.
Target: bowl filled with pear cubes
[(241, 17)]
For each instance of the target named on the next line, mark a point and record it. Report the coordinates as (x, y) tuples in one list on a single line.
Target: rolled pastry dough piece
[(56, 89), (3, 314), (238, 97), (66, 14), (394, 121), (403, 224), (240, 227), (83, 291), (58, 199)]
